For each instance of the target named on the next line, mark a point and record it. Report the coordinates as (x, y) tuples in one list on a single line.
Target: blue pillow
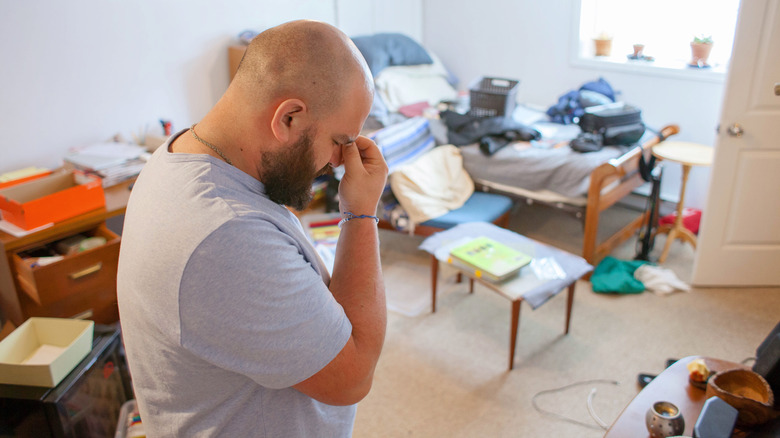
[(383, 50)]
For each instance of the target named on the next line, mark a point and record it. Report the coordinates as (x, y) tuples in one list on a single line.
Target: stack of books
[(489, 259), (114, 162), (323, 231)]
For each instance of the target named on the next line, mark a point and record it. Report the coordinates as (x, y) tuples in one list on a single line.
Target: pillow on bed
[(405, 85), (383, 50)]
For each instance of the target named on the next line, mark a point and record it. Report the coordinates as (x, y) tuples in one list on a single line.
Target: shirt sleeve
[(251, 303)]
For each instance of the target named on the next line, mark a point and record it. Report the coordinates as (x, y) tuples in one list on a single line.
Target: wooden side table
[(672, 386), (688, 155), (528, 287)]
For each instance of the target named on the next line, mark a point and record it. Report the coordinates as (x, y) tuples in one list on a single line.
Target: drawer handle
[(87, 314), (86, 271)]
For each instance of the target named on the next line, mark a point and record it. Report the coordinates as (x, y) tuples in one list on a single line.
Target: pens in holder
[(166, 125)]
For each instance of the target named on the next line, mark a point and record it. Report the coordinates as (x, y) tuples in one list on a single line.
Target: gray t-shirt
[(224, 305)]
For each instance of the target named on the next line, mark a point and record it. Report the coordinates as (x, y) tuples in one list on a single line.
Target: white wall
[(80, 71), (530, 40), (364, 17)]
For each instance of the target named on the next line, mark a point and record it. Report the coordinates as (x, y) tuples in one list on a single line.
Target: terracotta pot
[(603, 47), (700, 52)]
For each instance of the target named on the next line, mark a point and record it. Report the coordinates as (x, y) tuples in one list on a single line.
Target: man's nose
[(336, 158)]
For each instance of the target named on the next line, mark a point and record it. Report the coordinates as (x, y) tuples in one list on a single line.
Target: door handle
[(735, 130), (777, 89)]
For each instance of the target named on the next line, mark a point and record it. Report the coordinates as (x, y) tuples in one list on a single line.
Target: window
[(664, 27)]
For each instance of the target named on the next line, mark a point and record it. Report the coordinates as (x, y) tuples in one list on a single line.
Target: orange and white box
[(51, 199)]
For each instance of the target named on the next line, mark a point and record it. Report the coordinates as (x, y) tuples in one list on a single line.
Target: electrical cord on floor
[(601, 424), (748, 359)]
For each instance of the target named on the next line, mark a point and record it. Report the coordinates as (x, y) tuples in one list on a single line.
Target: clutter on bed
[(611, 124), (522, 151), (404, 142), (491, 97), (492, 133), (571, 105), (434, 191), (405, 74)]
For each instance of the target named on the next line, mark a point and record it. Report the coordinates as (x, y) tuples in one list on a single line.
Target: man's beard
[(289, 173)]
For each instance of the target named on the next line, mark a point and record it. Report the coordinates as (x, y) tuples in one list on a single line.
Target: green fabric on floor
[(617, 276)]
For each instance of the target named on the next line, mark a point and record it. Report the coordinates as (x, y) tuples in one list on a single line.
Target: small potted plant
[(603, 44), (700, 50)]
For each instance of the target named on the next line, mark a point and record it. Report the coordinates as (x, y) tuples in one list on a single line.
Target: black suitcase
[(617, 123)]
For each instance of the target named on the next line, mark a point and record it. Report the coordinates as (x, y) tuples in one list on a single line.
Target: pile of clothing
[(634, 276), (571, 105)]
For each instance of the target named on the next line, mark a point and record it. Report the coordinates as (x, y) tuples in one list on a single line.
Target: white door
[(739, 241)]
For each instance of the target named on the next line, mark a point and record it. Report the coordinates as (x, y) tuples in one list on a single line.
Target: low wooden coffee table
[(551, 271), (672, 386)]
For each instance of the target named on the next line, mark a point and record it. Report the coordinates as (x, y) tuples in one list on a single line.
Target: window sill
[(716, 74)]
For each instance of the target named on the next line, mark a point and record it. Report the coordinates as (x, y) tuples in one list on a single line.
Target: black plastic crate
[(491, 97)]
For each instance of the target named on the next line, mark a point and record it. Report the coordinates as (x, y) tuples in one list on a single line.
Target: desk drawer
[(75, 274)]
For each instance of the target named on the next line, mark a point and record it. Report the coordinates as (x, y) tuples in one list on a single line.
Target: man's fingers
[(367, 148), (351, 157), (363, 151)]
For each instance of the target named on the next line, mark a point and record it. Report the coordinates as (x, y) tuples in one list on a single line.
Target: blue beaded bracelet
[(349, 216)]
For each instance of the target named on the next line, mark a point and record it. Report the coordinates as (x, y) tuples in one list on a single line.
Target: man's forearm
[(358, 286)]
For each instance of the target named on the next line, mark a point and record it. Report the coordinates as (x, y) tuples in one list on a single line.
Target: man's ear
[(288, 119)]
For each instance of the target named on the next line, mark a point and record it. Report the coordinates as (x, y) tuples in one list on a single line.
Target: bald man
[(232, 324)]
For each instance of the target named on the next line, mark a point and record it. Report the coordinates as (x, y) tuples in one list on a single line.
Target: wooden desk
[(671, 386), (10, 300)]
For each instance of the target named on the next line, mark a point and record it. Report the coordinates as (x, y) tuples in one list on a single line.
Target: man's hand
[(364, 178)]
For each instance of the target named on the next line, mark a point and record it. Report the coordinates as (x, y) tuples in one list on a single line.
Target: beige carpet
[(445, 374)]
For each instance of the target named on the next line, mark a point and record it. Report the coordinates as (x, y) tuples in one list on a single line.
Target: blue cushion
[(480, 207), (383, 50)]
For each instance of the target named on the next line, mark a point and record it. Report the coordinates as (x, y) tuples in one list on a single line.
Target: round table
[(688, 155)]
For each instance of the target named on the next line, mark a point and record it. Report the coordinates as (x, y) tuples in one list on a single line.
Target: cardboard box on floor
[(42, 351), (53, 198)]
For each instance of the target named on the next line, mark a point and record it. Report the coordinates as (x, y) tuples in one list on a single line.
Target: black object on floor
[(650, 173), (643, 378)]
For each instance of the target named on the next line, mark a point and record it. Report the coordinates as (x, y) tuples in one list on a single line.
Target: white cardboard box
[(42, 351)]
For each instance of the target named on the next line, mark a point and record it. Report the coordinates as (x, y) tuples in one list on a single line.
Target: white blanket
[(404, 85), (433, 184)]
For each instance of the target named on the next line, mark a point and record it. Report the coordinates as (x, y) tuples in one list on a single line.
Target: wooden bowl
[(747, 392)]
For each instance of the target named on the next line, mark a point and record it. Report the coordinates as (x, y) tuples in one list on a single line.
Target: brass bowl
[(747, 392)]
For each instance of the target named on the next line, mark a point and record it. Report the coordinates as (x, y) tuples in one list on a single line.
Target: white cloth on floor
[(659, 280)]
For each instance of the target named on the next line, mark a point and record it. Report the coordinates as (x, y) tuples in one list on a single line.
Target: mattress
[(558, 173)]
